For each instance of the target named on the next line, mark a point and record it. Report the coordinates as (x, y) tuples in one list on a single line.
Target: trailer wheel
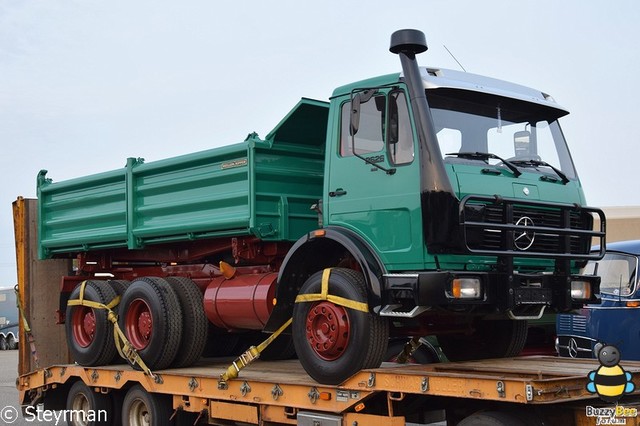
[(492, 418), (195, 323), (491, 339), (89, 331), (11, 342), (334, 342), (151, 319), (95, 406), (3, 343), (141, 408)]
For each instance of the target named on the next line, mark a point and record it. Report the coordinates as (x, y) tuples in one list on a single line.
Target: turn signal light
[(466, 288), (633, 303), (581, 290)]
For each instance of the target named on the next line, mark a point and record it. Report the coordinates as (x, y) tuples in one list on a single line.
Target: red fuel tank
[(242, 302)]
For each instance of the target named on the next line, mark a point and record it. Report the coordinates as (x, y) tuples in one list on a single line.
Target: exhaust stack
[(439, 202), (407, 44)]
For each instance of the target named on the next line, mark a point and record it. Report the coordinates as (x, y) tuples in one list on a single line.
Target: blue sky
[(86, 84)]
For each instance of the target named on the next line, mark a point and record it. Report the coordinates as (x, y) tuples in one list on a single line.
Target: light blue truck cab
[(615, 321)]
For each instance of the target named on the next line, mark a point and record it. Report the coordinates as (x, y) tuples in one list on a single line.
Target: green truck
[(426, 202)]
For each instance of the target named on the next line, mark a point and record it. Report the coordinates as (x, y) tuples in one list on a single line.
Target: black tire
[(82, 399), (491, 339), (117, 399), (151, 319), (143, 408), (89, 331), (357, 339), (422, 355), (492, 418), (11, 342), (195, 323), (119, 287), (3, 343)]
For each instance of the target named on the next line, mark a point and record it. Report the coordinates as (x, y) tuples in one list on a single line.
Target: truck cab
[(616, 320)]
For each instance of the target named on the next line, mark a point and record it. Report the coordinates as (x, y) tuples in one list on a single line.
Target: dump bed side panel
[(199, 195)]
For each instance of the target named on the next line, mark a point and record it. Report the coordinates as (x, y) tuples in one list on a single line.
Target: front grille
[(493, 225), (570, 324), (575, 346)]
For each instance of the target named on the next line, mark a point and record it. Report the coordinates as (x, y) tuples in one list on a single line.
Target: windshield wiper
[(540, 163), (485, 156)]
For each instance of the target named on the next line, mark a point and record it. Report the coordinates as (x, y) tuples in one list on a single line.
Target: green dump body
[(263, 188)]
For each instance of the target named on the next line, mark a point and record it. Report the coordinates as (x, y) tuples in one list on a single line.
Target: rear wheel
[(489, 339), (3, 343), (89, 331), (141, 408), (334, 342), (88, 408), (195, 324), (119, 287), (151, 319)]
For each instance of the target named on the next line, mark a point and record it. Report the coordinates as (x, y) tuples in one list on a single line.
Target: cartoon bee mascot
[(609, 381)]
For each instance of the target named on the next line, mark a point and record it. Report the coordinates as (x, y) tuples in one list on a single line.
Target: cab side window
[(400, 132), (370, 135)]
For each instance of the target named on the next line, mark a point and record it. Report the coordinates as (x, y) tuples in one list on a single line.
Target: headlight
[(581, 290), (465, 288)]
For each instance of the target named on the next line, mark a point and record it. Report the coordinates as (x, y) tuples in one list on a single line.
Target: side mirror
[(522, 143), (394, 125), (356, 101)]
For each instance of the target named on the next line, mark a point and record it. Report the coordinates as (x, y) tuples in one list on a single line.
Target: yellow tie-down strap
[(336, 300), (124, 347)]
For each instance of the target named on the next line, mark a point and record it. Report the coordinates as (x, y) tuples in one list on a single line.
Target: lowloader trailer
[(536, 390)]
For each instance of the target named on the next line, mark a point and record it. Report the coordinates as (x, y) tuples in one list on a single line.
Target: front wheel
[(334, 342)]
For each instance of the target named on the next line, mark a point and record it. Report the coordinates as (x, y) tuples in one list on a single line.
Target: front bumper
[(515, 294)]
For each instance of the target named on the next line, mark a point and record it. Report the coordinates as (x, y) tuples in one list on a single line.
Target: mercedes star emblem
[(524, 239), (573, 348)]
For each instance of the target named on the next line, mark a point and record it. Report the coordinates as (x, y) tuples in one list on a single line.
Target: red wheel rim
[(139, 324), (83, 326), (327, 328)]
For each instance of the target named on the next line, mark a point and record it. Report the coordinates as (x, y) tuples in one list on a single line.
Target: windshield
[(524, 133), (617, 272)]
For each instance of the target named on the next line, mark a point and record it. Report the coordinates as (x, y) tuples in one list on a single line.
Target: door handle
[(337, 193)]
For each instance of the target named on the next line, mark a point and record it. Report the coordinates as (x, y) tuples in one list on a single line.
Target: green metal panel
[(83, 212), (259, 187)]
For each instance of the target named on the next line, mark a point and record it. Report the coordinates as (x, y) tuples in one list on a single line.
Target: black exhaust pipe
[(439, 201)]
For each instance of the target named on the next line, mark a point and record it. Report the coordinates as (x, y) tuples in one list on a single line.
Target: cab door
[(373, 178)]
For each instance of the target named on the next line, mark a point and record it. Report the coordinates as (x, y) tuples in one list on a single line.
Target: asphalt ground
[(10, 410)]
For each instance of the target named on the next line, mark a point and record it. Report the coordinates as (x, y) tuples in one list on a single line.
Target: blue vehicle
[(616, 321), (8, 319)]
